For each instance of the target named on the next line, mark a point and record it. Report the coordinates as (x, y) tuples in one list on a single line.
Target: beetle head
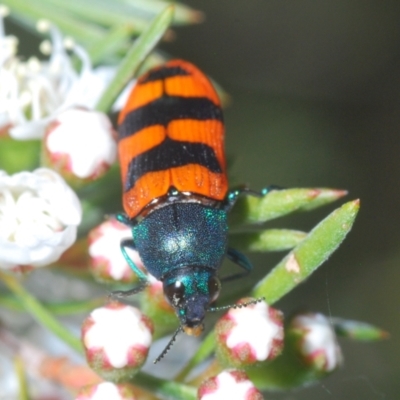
[(190, 291)]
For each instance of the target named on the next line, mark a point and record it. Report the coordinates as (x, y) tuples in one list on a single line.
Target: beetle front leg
[(143, 281)]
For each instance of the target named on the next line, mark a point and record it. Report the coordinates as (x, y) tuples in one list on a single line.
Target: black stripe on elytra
[(169, 154), (166, 109), (164, 73)]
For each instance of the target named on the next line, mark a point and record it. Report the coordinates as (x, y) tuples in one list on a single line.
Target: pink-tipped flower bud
[(232, 385), (107, 263), (106, 391), (116, 340), (80, 144), (249, 335), (315, 342)]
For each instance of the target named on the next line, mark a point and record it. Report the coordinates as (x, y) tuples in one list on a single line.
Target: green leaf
[(39, 312), (268, 240), (29, 12), (183, 14), (358, 330), (110, 43), (305, 258), (136, 55), (277, 203), (105, 14)]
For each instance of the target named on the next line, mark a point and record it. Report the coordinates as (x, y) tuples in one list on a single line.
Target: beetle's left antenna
[(169, 345)]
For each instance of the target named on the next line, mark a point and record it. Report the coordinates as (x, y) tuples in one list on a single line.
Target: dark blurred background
[(315, 90)]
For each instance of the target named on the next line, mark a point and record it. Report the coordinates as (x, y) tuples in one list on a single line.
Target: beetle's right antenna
[(168, 347)]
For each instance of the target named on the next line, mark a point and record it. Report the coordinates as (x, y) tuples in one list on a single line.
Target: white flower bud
[(81, 143), (107, 262), (106, 391), (249, 334), (116, 339), (316, 341), (232, 385)]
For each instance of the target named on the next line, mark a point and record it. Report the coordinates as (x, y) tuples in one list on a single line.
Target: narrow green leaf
[(251, 209), (268, 240), (110, 43), (183, 14), (142, 46), (305, 258), (34, 11), (358, 330), (105, 14), (39, 312)]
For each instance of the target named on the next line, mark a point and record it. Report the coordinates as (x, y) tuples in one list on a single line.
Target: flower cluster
[(50, 101), (34, 92)]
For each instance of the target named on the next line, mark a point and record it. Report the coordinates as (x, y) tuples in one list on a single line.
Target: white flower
[(232, 385), (33, 92), (318, 345), (39, 215), (105, 252), (122, 333), (81, 142)]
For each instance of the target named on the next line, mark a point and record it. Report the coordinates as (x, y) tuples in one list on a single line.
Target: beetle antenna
[(240, 305), (168, 347)]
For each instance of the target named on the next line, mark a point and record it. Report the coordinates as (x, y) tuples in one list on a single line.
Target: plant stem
[(40, 313)]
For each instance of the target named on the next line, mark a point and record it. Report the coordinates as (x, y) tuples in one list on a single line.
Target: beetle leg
[(124, 219), (234, 194), (143, 281), (239, 259)]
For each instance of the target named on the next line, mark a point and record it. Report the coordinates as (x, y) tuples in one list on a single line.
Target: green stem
[(205, 349), (62, 308), (40, 313), (164, 389), (23, 393), (142, 46)]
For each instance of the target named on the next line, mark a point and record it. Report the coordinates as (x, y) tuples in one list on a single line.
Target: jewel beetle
[(175, 189)]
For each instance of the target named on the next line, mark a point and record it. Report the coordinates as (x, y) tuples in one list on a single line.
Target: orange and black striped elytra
[(175, 189), (171, 134)]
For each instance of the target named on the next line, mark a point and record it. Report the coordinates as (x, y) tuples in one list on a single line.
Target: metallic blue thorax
[(181, 235)]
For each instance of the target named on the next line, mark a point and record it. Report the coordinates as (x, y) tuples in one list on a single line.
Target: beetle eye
[(175, 293), (214, 287)]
